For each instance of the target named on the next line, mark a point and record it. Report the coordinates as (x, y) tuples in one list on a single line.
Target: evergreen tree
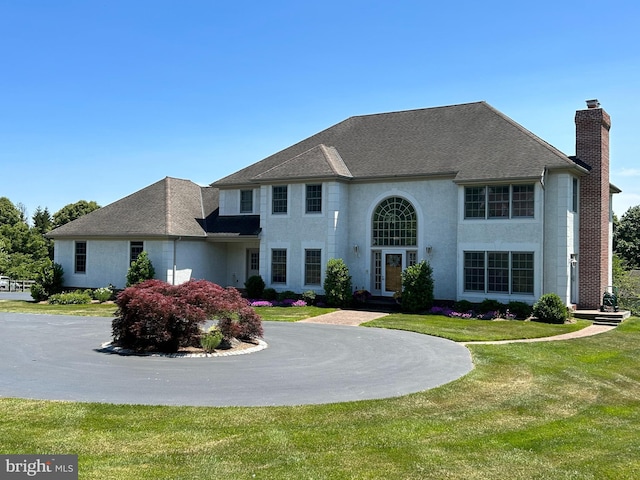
[(42, 221), (141, 269)]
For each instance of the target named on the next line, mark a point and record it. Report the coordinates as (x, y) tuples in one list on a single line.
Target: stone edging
[(108, 347)]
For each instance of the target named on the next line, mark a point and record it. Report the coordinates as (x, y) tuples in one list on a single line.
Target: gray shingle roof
[(169, 207), (471, 141)]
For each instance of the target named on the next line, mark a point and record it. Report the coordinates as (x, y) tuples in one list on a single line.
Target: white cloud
[(630, 172)]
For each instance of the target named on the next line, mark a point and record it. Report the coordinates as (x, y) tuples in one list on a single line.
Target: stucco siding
[(561, 237), (502, 235)]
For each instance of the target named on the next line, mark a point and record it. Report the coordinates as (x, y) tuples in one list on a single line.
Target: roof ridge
[(413, 110), (333, 159)]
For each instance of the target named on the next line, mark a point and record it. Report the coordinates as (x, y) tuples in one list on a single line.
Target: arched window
[(395, 223)]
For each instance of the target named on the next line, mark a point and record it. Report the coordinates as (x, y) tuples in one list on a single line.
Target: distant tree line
[(25, 252)]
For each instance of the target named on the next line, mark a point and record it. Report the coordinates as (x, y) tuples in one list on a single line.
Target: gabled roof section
[(170, 207), (318, 162), (473, 142)]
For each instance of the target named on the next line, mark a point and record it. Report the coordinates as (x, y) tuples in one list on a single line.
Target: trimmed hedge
[(550, 309)]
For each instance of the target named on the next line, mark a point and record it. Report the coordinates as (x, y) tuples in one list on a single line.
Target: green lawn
[(548, 410), (468, 330), (290, 314), (89, 310)]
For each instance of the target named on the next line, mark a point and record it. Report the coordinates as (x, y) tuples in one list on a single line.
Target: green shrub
[(254, 286), (287, 295), (38, 293), (211, 340), (490, 305), (102, 294), (337, 283), (550, 309), (71, 298), (521, 310), (48, 282), (310, 297), (269, 294), (141, 269), (417, 287), (463, 306)]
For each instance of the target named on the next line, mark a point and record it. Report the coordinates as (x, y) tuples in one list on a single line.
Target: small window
[(135, 249), (279, 199), (499, 201), (523, 201), (80, 264), (498, 272), (522, 272), (314, 199), (246, 201), (279, 265), (574, 204), (312, 264), (474, 271), (474, 202)]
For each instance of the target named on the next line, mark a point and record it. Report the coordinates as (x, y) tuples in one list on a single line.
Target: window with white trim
[(279, 265), (313, 203), (499, 272), (80, 257), (499, 202), (135, 249), (246, 201), (395, 223), (279, 199), (312, 266)]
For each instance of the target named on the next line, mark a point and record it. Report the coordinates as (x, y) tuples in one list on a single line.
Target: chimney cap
[(593, 103)]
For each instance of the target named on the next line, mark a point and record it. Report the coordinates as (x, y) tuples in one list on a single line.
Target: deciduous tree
[(627, 238)]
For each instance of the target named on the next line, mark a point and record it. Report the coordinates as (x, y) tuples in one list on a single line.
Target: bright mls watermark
[(50, 467)]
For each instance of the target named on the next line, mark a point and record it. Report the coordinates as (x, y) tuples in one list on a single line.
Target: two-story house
[(497, 212)]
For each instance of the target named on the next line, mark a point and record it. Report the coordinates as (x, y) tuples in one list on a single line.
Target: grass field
[(548, 410)]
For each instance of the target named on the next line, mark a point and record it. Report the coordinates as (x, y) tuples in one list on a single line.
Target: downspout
[(543, 209), (175, 267)]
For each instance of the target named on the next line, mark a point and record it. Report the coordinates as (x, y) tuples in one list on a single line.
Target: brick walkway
[(345, 317)]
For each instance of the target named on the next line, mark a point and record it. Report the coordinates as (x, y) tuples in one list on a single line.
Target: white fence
[(10, 285)]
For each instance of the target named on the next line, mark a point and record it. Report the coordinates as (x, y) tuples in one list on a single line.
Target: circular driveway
[(56, 357)]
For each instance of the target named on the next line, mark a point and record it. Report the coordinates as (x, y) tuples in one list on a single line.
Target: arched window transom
[(395, 223)]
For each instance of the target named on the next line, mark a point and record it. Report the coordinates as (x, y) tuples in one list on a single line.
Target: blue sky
[(99, 99)]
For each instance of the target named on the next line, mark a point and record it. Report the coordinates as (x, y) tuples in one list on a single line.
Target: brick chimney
[(592, 147)]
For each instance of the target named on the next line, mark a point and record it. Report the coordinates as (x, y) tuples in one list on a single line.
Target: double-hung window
[(80, 257), (314, 198), (279, 265), (246, 201), (279, 199), (135, 249), (312, 266)]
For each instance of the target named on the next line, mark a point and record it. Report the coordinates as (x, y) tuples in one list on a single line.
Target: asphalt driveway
[(57, 358)]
